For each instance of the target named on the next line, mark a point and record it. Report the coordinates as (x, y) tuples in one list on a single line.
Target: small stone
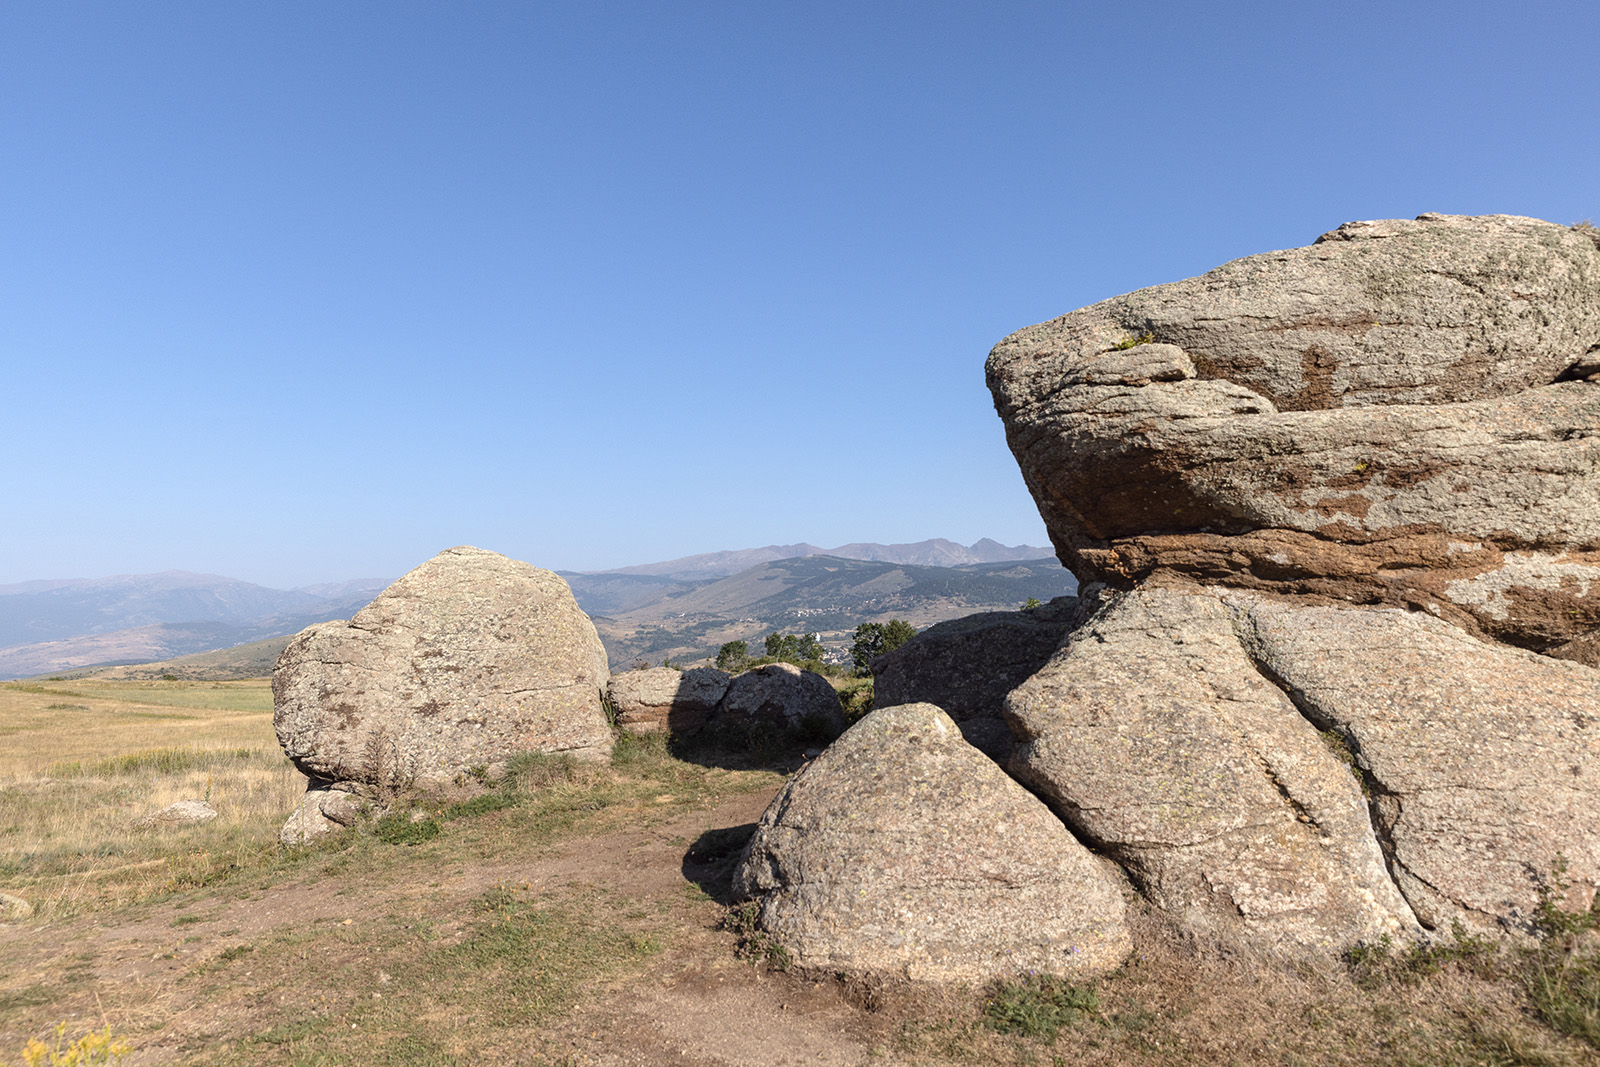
[(183, 813)]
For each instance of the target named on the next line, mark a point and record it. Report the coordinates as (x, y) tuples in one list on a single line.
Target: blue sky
[(300, 292)]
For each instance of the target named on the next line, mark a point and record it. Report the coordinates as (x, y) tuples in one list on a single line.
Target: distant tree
[(733, 656), (794, 648), (873, 639)]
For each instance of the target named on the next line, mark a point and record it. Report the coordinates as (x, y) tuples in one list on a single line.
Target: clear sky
[(297, 292)]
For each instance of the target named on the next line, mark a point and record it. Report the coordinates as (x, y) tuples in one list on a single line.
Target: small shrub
[(1562, 975), (755, 944), (855, 699), (1374, 963), (1039, 1006), (1132, 342)]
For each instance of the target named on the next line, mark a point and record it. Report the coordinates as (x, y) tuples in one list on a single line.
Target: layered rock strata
[(1400, 414), (662, 698)]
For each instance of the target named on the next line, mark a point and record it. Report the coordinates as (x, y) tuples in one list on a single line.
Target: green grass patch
[(168, 760), (399, 828), (1039, 1006)]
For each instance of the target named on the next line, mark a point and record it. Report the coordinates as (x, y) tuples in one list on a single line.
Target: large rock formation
[(1338, 493), (782, 695), (466, 661), (1308, 777), (1159, 742), (662, 698), (903, 852), (1398, 414), (968, 666)]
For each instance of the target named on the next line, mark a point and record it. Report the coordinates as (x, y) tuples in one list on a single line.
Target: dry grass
[(83, 760), (511, 929)]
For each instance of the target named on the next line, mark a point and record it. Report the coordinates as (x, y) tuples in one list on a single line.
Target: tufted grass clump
[(756, 945), (1039, 1006), (1126, 343), (1562, 974)]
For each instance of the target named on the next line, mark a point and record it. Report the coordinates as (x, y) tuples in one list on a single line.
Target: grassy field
[(579, 914), (81, 761)]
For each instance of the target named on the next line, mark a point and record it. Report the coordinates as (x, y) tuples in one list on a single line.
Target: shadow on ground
[(711, 860)]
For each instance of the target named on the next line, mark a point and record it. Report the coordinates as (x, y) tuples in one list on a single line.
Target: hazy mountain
[(826, 595), (56, 625), (68, 624), (932, 553), (627, 588)]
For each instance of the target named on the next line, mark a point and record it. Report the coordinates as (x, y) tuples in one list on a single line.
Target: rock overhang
[(1337, 420)]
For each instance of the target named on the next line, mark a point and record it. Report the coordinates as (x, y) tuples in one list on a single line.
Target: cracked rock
[(1485, 760), (1155, 738), (904, 852)]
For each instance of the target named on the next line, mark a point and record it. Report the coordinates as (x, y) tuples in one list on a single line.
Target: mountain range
[(669, 608)]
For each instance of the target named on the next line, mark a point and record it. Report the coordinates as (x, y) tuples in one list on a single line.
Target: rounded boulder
[(466, 661), (904, 852)]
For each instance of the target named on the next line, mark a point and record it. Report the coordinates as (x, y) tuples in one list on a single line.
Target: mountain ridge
[(53, 625)]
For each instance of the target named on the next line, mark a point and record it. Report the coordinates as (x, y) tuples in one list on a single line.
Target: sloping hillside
[(825, 595)]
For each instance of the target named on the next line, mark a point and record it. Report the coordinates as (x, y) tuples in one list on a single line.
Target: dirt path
[(166, 973)]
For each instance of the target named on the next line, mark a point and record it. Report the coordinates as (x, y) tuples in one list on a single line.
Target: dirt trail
[(695, 1004)]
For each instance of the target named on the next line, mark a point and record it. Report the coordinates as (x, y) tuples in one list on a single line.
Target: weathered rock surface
[(783, 695), (1398, 414), (1160, 744), (182, 813), (661, 698), (967, 666), (903, 852), (1205, 740), (462, 663), (1483, 760), (326, 808), (14, 908)]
